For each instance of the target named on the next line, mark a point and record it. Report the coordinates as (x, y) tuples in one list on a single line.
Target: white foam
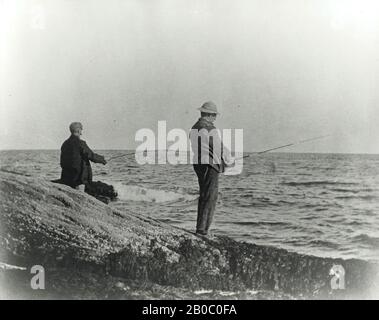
[(202, 291), (140, 194)]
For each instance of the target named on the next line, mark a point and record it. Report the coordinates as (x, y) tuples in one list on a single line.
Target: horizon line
[(294, 152)]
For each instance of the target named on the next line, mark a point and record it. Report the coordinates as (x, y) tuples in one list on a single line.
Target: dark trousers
[(208, 183)]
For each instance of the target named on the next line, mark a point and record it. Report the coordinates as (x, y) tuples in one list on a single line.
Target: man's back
[(76, 157), (71, 161), (70, 153)]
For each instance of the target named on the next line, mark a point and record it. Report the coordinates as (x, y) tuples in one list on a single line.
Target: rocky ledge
[(90, 250)]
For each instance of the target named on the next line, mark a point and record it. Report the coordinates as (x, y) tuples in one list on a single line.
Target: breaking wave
[(140, 194)]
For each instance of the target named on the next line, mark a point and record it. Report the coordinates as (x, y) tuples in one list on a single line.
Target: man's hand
[(230, 163), (104, 162)]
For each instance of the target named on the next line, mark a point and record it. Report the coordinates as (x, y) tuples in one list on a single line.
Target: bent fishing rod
[(287, 145), (294, 143)]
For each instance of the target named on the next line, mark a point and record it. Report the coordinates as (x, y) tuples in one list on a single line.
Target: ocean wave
[(140, 194), (342, 190), (323, 243), (317, 183), (366, 239), (354, 223), (363, 197), (260, 223)]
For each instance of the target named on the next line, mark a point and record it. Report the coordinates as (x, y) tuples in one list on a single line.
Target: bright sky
[(283, 70)]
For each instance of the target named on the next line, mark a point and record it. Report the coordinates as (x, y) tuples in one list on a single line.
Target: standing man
[(210, 159), (75, 159)]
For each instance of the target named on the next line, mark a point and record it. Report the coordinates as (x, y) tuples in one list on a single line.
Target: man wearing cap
[(210, 159), (75, 159)]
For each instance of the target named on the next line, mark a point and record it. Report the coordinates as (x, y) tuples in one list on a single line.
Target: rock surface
[(90, 250)]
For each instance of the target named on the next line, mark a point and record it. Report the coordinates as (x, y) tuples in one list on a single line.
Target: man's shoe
[(206, 235), (211, 236)]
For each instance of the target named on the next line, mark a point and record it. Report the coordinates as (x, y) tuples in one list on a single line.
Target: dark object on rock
[(101, 191)]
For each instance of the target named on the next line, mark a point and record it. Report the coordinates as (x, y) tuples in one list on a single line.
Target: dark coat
[(75, 162), (219, 166)]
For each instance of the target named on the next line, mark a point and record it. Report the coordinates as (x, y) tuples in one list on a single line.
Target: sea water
[(320, 204)]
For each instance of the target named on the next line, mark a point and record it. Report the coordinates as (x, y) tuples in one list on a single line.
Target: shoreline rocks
[(77, 238)]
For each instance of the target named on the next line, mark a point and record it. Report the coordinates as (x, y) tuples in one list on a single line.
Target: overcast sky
[(281, 70)]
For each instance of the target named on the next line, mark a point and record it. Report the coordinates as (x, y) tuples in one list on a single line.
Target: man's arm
[(87, 153), (220, 149)]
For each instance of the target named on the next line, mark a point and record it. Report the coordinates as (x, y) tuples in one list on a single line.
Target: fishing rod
[(121, 155), (285, 146), (243, 157), (294, 143), (246, 156)]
